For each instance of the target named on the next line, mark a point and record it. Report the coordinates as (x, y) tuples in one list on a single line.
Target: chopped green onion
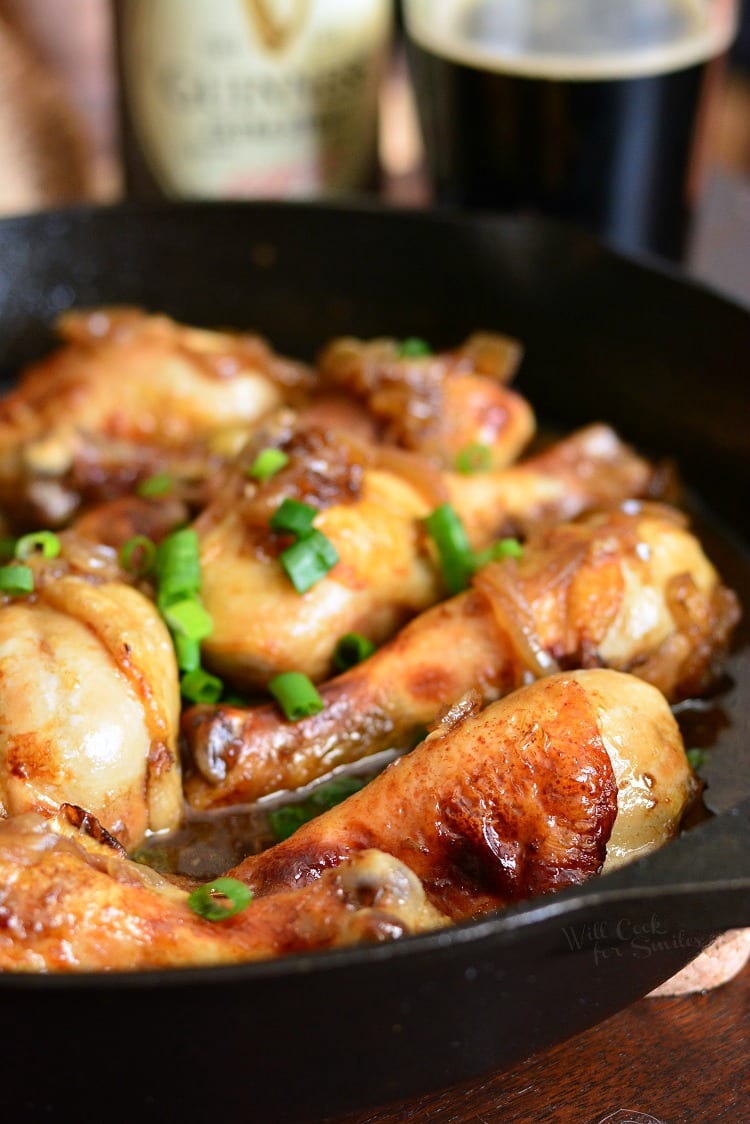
[(206, 901), (308, 560), (16, 580), (199, 687), (177, 565), (503, 548), (137, 555), (696, 758), (188, 652), (267, 463), (293, 518), (157, 485), (7, 547), (507, 548), (456, 559), (351, 649), (188, 618), (413, 348), (285, 821), (296, 695), (474, 458), (44, 542)]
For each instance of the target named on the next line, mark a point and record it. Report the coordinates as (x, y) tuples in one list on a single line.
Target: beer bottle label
[(254, 97)]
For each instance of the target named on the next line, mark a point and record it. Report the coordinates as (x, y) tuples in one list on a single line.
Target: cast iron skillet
[(606, 339)]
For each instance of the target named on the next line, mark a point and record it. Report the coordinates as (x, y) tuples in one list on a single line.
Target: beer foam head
[(574, 39)]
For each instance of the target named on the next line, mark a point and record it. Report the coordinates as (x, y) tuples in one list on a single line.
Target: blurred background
[(67, 132)]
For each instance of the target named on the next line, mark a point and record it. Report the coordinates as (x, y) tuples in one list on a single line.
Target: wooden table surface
[(682, 1060)]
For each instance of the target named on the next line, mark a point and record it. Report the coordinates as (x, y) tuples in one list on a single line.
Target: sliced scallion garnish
[(413, 348), (154, 486), (308, 560), (188, 618), (177, 565), (220, 899), (199, 687), (351, 649), (456, 559), (296, 695), (137, 555), (293, 518), (474, 458), (285, 821), (16, 580), (45, 543), (267, 463)]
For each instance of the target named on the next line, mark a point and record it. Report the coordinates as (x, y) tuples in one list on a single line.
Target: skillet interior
[(605, 339)]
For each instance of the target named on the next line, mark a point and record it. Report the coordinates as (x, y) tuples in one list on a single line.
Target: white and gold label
[(232, 98)]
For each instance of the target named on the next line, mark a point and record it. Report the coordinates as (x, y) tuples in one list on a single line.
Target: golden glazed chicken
[(539, 791), (629, 589), (222, 510)]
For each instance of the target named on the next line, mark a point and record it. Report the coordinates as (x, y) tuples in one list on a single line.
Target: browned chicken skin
[(520, 798), (630, 589), (439, 405), (373, 515), (126, 396)]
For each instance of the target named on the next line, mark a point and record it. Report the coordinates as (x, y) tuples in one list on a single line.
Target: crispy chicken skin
[(89, 708), (438, 405), (630, 589), (74, 903), (124, 397), (520, 798), (373, 516)]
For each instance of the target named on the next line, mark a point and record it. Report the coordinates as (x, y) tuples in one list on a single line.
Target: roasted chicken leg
[(89, 698), (127, 395), (630, 589), (373, 516), (537, 792)]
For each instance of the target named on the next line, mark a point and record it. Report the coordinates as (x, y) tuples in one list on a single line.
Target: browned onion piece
[(416, 470), (498, 583)]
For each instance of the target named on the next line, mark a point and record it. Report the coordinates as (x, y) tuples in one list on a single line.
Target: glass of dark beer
[(593, 111)]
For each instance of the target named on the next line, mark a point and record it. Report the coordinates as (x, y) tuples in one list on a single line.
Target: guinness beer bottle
[(236, 98)]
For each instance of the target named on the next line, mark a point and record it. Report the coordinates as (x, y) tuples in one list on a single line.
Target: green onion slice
[(187, 651), (7, 548), (413, 348), (296, 695), (16, 580), (696, 758), (222, 898), (285, 821), (474, 458), (308, 560), (45, 543), (456, 559), (351, 649), (199, 687), (188, 618), (507, 548), (267, 463), (293, 518), (137, 555), (157, 485), (177, 565)]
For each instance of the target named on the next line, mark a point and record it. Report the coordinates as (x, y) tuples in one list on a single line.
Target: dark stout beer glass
[(594, 111)]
